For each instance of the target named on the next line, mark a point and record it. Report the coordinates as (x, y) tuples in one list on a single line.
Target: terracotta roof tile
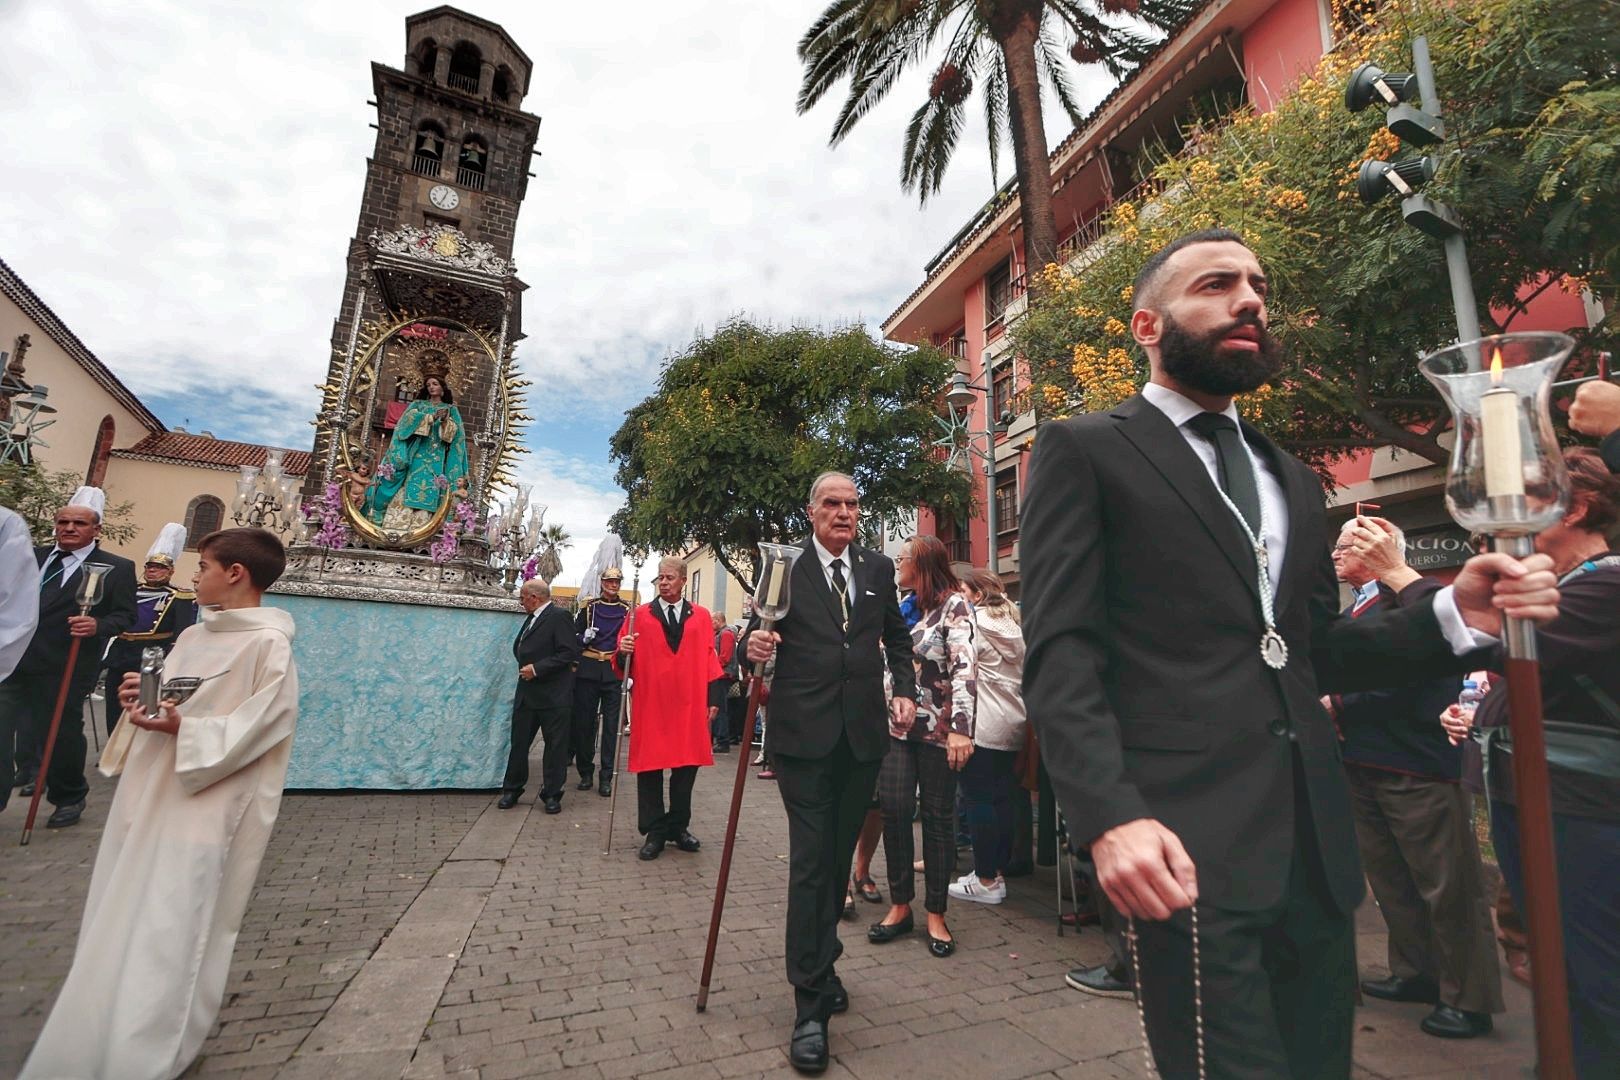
[(208, 452)]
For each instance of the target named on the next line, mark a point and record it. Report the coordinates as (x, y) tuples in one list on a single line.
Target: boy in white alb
[(200, 790)]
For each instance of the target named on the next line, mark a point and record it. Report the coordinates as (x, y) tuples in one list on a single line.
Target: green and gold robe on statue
[(426, 458)]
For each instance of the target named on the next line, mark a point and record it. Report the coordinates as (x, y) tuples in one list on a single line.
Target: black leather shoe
[(586, 782), (1101, 981), (839, 1000), (1396, 988), (1450, 1023), (687, 842), (604, 786), (70, 813), (941, 947), (27, 790), (808, 1050), (722, 747), (880, 934), (508, 800), (651, 849), (19, 780), (554, 805)]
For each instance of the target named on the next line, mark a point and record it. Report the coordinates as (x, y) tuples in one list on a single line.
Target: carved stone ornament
[(443, 245)]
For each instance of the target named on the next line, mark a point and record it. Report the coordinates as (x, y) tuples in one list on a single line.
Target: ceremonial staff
[(1507, 479), (624, 714), (88, 596), (771, 599)]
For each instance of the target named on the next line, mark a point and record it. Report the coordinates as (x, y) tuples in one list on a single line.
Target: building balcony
[(460, 81), (470, 178), (960, 551), (427, 166)]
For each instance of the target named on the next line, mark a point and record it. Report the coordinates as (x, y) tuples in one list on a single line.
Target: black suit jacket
[(828, 681), (552, 647), (1143, 675), (48, 650)]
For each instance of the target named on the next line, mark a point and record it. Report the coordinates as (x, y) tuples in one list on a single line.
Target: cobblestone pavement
[(429, 935)]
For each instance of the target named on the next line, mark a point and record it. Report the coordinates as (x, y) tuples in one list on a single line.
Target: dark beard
[(1200, 363)]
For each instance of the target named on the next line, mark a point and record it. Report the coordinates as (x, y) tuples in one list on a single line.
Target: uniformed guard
[(599, 623), (162, 611)]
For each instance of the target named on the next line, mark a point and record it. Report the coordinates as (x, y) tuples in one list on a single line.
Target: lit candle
[(774, 576), (1499, 432)]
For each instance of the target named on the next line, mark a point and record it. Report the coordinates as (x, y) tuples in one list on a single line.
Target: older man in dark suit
[(1180, 610), (546, 649), (29, 695), (827, 735)]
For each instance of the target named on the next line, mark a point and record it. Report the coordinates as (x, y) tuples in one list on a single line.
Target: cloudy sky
[(182, 180)]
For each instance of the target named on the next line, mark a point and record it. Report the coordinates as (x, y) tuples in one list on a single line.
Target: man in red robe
[(669, 707)]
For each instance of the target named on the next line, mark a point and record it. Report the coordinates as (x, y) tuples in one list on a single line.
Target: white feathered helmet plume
[(609, 556)]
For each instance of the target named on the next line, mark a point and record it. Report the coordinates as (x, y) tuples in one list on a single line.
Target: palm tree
[(1008, 46), (553, 538)]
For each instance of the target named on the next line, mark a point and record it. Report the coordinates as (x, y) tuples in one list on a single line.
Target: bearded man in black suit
[(29, 695), (827, 734), (1181, 617)]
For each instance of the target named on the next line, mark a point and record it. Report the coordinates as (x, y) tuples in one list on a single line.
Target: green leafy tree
[(36, 494), (1005, 47), (1357, 296), (724, 452)]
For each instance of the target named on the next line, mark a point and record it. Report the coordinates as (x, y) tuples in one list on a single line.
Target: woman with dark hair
[(989, 783), (1580, 687), (928, 754)]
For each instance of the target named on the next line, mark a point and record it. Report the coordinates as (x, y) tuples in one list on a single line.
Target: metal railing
[(426, 165), (460, 81), (959, 550), (470, 178)]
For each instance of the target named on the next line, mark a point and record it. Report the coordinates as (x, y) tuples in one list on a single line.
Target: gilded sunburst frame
[(490, 447)]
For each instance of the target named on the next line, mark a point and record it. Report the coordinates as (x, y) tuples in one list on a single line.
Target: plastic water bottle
[(1470, 698)]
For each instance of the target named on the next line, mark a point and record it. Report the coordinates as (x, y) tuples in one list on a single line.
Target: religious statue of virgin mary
[(425, 461)]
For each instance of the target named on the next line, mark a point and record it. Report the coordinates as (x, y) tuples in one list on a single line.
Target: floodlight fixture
[(1369, 83), (1380, 178), (960, 395)]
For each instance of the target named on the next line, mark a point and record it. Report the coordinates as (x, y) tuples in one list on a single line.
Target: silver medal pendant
[(1273, 649)]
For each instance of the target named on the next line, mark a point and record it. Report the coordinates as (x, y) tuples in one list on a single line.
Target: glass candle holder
[(1506, 476), (774, 595), (91, 585)]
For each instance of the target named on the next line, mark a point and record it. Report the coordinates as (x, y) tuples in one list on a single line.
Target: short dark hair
[(1598, 489), (931, 570), (1147, 277), (257, 550)]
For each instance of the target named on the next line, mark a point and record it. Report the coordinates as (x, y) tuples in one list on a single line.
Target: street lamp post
[(960, 397)]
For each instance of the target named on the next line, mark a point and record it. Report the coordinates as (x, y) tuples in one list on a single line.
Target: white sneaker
[(975, 891)]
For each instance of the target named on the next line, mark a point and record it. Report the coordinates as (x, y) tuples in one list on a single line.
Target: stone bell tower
[(452, 153)]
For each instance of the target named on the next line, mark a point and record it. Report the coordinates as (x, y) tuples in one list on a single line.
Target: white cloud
[(183, 179)]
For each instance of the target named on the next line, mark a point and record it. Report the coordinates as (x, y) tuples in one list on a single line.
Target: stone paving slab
[(577, 965)]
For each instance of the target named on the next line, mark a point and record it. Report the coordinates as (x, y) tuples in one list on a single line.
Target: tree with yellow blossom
[(1532, 163)]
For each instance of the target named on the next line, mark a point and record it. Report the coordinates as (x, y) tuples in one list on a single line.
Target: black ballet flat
[(879, 934), (941, 947)]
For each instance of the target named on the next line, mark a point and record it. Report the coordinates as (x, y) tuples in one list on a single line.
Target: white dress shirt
[(534, 617), (70, 565), (827, 558), (1274, 505), (667, 611)]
